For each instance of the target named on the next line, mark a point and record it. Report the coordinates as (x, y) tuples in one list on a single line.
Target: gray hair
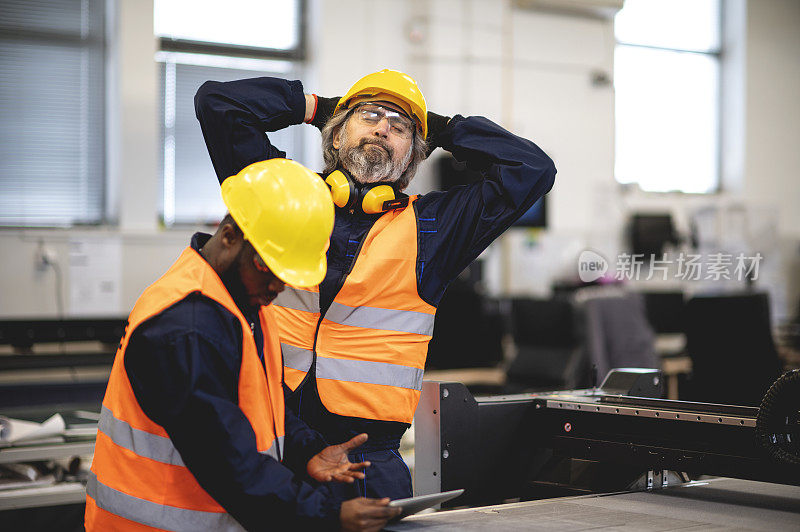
[(335, 127)]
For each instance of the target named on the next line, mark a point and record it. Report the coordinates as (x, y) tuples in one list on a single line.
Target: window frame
[(169, 48), (298, 53)]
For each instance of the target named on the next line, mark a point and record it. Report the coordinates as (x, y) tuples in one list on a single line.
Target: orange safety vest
[(138, 480), (370, 346)]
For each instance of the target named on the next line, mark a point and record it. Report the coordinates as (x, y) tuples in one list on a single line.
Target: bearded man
[(354, 347)]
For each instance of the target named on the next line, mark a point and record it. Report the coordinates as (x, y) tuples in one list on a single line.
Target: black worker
[(194, 433)]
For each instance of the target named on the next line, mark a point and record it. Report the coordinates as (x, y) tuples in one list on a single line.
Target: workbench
[(716, 504)]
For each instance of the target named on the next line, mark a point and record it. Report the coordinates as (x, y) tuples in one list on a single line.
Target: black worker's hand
[(332, 464), (366, 515)]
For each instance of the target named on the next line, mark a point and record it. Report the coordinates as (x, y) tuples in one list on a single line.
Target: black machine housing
[(530, 446)]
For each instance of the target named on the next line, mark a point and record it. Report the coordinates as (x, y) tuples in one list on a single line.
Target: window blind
[(191, 192), (52, 92)]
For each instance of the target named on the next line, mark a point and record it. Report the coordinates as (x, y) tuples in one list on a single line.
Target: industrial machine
[(618, 437)]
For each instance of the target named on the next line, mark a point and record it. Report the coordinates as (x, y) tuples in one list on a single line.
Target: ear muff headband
[(372, 199)]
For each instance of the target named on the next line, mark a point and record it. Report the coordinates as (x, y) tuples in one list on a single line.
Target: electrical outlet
[(45, 257)]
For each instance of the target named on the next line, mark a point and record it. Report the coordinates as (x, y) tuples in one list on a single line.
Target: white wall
[(531, 71), (133, 249), (135, 260), (772, 162)]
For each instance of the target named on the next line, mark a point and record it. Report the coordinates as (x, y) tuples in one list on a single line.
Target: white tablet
[(413, 505)]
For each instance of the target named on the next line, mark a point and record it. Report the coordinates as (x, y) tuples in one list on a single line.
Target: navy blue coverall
[(454, 228)]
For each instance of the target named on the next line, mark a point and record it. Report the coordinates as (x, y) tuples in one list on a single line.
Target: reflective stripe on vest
[(153, 446), (297, 357), (300, 359), (298, 299), (297, 314), (132, 450), (368, 372), (381, 318), (372, 342), (153, 514)]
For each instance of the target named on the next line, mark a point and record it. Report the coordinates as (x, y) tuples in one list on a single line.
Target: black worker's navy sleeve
[(183, 366), (235, 116), (301, 443), (466, 219)]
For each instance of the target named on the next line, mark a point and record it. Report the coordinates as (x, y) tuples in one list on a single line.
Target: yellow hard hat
[(285, 211), (391, 86)]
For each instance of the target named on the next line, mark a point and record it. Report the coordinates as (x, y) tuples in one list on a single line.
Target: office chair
[(615, 329), (549, 356)]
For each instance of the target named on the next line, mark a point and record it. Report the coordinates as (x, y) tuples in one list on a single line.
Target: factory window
[(189, 186), (52, 132), (244, 40), (666, 70)]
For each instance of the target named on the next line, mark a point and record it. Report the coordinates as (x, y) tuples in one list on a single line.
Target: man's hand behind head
[(436, 124), (323, 112)]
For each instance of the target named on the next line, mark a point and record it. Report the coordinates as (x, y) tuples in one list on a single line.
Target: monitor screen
[(536, 216), (649, 233)]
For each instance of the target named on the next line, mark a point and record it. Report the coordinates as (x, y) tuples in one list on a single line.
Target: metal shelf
[(56, 495), (53, 451)]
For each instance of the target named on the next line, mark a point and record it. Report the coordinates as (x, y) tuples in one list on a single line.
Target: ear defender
[(343, 190), (375, 197), (372, 199)]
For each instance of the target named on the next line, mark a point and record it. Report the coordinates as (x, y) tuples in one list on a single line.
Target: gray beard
[(371, 165), (368, 165)]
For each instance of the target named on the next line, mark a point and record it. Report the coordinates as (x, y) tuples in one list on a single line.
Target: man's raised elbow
[(550, 173), (206, 93)]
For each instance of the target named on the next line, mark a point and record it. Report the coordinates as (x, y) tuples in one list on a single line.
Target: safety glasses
[(260, 265), (371, 114)]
